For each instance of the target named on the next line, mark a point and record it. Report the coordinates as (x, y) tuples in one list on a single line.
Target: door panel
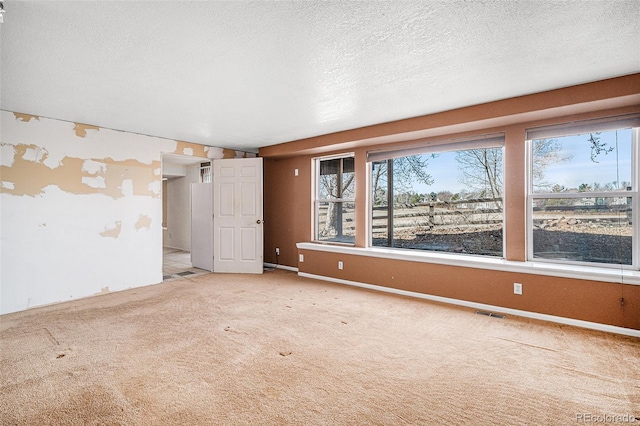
[(248, 236), (226, 250), (248, 194), (202, 226), (226, 192), (238, 232)]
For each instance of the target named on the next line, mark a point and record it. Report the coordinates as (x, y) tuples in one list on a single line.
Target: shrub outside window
[(446, 198), (583, 194), (335, 200)]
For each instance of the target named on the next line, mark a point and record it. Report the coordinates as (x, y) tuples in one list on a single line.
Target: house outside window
[(441, 198), (335, 199), (583, 193)]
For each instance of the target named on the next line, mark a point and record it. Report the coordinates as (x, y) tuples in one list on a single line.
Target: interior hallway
[(176, 264)]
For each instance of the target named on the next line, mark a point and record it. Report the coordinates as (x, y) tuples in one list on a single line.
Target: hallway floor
[(176, 264)]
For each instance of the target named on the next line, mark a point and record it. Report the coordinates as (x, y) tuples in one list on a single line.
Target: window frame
[(317, 200), (572, 129), (482, 141), (206, 173)]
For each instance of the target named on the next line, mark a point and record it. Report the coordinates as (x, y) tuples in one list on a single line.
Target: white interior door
[(202, 226), (237, 215)]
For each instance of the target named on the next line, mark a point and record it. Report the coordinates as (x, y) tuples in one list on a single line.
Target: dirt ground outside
[(585, 236)]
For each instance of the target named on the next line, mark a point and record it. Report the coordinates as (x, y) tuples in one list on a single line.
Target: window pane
[(348, 178), (336, 221), (329, 167), (379, 212), (585, 229), (337, 177), (328, 179), (451, 202), (583, 163), (472, 226)]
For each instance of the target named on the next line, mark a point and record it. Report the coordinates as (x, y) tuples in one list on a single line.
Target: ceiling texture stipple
[(244, 75)]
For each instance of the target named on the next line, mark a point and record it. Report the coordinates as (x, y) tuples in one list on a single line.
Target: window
[(445, 198), (205, 172), (335, 200), (583, 193)]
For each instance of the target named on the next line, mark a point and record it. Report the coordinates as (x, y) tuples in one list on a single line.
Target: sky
[(578, 169), (581, 169)]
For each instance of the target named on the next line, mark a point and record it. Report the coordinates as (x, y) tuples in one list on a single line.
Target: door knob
[(259, 221)]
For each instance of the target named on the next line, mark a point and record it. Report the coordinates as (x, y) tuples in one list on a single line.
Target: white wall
[(178, 232), (81, 209)]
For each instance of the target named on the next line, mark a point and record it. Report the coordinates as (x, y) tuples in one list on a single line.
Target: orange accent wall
[(287, 208), (584, 300), (288, 205)]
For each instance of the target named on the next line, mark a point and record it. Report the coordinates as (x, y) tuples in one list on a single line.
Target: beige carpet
[(279, 349)]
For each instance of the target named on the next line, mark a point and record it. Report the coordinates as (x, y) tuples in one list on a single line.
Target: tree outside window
[(447, 201), (582, 208), (335, 200)]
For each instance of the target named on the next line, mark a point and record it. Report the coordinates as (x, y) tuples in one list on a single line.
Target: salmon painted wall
[(585, 300), (288, 204), (81, 209), (287, 208)]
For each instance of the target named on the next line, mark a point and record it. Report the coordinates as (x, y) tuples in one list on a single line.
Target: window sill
[(334, 243), (593, 273)]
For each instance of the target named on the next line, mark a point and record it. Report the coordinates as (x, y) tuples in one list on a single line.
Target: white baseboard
[(482, 306), (273, 265)]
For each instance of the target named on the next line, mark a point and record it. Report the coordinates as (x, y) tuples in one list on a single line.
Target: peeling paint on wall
[(155, 188), (79, 176), (35, 154), (93, 198), (215, 153), (94, 182), (25, 117), (94, 195), (144, 221), (127, 187), (191, 149), (92, 167), (113, 232), (81, 129), (6, 154)]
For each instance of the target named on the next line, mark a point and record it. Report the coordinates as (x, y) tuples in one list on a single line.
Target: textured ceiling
[(243, 75)]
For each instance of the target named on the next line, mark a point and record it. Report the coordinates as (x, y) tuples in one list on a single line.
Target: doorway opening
[(179, 172), (177, 264)]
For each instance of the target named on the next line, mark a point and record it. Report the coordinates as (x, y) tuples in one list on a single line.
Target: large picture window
[(583, 193), (446, 198), (335, 200)]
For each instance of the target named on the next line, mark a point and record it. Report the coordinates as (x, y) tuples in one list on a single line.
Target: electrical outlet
[(301, 257), (340, 265), (295, 172), (517, 288), (277, 251)]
